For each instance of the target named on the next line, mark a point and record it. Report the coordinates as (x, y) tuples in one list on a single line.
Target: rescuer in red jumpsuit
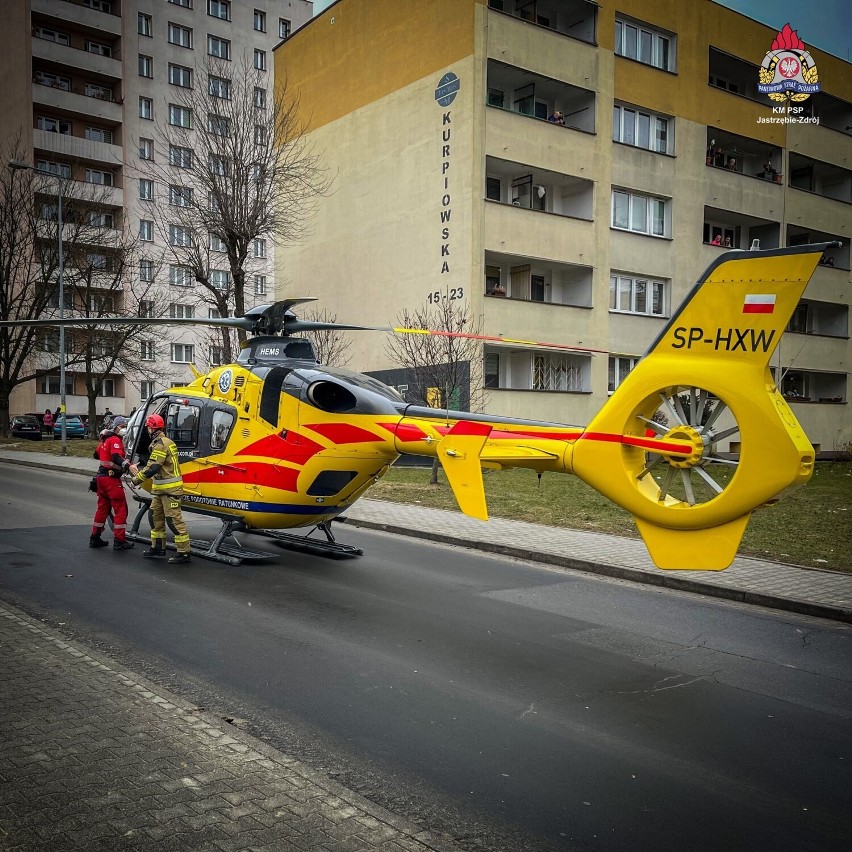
[(110, 453)]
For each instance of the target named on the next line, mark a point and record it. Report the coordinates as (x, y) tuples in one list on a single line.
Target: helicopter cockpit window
[(222, 422), (182, 424)]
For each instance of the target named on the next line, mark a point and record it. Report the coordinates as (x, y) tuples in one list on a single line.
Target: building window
[(144, 25), (50, 384), (219, 47), (284, 28), (642, 129), (220, 278), (183, 353), (54, 125), (492, 188), (638, 295), (100, 220), (645, 44), (179, 75), (558, 373), (146, 390), (259, 21), (260, 59), (52, 80), (259, 248), (640, 213), (187, 4), (61, 169), (260, 98), (181, 36), (146, 149), (492, 370), (180, 116), (99, 177), (98, 134), (180, 276), (146, 65), (219, 9), (52, 35), (218, 125), (93, 90), (619, 367), (146, 108), (179, 236), (259, 285), (148, 350), (146, 189), (218, 166), (216, 243), (146, 230), (146, 309), (98, 48), (180, 157), (180, 196), (259, 134), (146, 270), (217, 356), (179, 311), (219, 87)]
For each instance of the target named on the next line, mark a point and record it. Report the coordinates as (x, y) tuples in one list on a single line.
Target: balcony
[(535, 96), (811, 386), (97, 17), (734, 75), (73, 102), (727, 229), (823, 179), (743, 156), (532, 280), (65, 146), (833, 258), (820, 318), (538, 189), (76, 58), (574, 18)]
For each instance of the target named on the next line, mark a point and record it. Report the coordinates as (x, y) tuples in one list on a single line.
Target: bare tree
[(445, 367), (97, 256), (235, 171), (331, 344)]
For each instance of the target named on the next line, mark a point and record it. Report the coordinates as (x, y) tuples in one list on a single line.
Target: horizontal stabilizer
[(459, 452)]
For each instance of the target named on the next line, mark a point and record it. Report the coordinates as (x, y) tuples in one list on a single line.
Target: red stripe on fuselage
[(635, 441), (294, 448), (250, 473), (344, 433)]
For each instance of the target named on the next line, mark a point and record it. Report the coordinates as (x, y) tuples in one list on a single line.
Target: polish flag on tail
[(759, 303)]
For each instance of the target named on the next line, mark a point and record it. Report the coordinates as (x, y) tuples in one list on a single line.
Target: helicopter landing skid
[(219, 550), (329, 547)]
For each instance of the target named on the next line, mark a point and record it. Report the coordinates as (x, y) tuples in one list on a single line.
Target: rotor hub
[(685, 435)]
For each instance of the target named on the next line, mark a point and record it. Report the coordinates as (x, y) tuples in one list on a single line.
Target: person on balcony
[(717, 240), (556, 118)]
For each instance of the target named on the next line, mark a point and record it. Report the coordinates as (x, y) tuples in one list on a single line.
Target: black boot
[(97, 541), (179, 559), (122, 545), (154, 553)]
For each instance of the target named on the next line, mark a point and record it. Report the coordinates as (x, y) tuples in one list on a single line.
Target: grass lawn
[(812, 526)]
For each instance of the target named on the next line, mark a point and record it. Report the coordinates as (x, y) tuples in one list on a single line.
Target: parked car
[(74, 427), (26, 426)]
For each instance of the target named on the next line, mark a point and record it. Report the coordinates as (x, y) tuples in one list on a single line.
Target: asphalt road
[(512, 706)]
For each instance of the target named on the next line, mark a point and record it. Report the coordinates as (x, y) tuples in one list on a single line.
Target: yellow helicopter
[(277, 441)]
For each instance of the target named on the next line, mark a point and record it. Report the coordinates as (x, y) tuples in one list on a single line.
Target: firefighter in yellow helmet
[(163, 469)]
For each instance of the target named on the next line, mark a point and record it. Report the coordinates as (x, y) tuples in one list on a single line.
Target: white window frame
[(180, 276), (180, 157), (187, 4), (259, 97), (145, 25), (146, 270), (641, 210), (180, 196), (259, 248), (98, 134), (259, 59), (54, 125), (180, 116), (216, 243), (619, 367), (146, 65), (218, 125), (146, 108), (180, 35), (180, 75), (644, 43), (146, 149), (178, 310), (146, 230), (147, 350), (285, 27), (180, 236), (259, 21), (220, 278), (55, 168), (183, 353), (259, 285), (219, 47), (627, 128), (146, 389), (220, 9), (640, 295), (98, 48), (146, 189), (99, 177), (219, 87), (55, 36)]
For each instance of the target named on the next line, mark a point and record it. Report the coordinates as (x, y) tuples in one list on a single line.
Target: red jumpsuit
[(110, 453)]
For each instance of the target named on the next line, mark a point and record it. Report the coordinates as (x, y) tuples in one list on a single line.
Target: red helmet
[(154, 421)]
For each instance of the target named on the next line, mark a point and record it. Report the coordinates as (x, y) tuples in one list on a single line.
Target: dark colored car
[(74, 427), (26, 426)]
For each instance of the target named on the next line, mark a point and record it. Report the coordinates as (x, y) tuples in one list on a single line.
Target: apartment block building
[(567, 169), (90, 86)]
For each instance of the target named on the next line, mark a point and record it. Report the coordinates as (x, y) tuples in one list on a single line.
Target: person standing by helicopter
[(163, 469), (110, 491)]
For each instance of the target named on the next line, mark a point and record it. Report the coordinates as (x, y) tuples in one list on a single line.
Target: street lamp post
[(17, 164)]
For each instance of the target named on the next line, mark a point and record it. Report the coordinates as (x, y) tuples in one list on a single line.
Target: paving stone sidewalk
[(95, 758), (810, 591)]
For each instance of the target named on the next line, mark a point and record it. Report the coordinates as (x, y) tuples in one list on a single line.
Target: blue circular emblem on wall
[(448, 88), (225, 381)]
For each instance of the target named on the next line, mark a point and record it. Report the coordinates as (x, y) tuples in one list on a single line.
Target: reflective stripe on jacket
[(163, 466)]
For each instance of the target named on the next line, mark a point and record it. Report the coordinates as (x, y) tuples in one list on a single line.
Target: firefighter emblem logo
[(788, 71)]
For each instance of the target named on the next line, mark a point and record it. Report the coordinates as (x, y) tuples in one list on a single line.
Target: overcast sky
[(826, 24)]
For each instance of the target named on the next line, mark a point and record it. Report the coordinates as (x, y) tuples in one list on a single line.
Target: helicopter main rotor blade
[(236, 322), (490, 338)]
